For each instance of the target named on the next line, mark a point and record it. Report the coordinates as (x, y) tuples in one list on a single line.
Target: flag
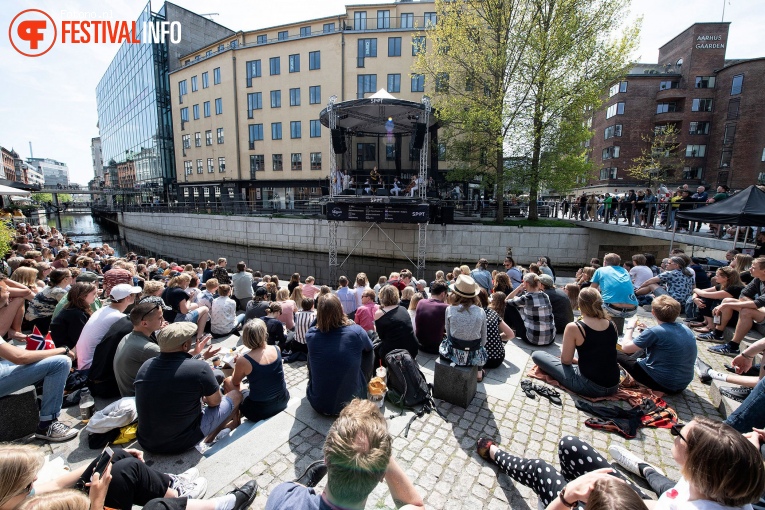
[(36, 342)]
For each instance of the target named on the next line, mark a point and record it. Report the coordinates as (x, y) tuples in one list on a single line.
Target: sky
[(50, 100)]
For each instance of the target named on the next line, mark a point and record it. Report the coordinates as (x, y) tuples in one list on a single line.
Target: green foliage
[(44, 198), (661, 160), (7, 233)]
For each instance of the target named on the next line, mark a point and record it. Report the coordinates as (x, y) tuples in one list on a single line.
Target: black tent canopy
[(746, 208)]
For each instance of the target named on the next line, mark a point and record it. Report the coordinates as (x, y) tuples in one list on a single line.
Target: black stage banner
[(391, 213)]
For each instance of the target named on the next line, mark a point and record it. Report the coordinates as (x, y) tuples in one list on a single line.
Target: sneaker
[(245, 495), (737, 393), (630, 461), (710, 337), (188, 476), (313, 474), (194, 489), (702, 370), (483, 446), (754, 371), (727, 349), (57, 432)]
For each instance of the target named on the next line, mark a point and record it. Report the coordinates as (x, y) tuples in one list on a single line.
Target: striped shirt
[(303, 321)]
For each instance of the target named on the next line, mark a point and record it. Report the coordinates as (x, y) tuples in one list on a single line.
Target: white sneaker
[(186, 477), (629, 460), (192, 490)]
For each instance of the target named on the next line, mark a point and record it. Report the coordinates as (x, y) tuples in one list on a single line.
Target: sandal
[(528, 388), (702, 329), (483, 446), (550, 394)]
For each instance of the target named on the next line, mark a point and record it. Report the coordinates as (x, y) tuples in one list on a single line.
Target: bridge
[(59, 191)]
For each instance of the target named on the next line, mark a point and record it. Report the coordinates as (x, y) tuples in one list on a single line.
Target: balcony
[(671, 93), (673, 116)]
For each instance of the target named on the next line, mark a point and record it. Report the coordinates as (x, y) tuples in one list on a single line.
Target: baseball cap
[(421, 282), (547, 280), (174, 335), (262, 291), (123, 290)]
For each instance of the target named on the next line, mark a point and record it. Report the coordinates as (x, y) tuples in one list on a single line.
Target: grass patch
[(536, 223)]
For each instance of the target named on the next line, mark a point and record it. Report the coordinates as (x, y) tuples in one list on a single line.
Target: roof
[(744, 208)]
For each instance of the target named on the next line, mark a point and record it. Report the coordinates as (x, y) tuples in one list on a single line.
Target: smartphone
[(103, 460)]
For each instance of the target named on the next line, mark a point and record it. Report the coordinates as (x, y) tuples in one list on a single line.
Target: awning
[(7, 190)]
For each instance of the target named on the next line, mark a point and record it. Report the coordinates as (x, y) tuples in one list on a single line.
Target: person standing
[(242, 284)]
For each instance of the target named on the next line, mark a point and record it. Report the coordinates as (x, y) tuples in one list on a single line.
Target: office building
[(55, 174), (9, 170), (98, 163)]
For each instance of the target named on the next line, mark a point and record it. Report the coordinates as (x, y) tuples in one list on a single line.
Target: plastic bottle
[(87, 405)]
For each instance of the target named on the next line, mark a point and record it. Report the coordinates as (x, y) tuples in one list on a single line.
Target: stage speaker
[(325, 191), (338, 141), (419, 135), (349, 192), (382, 192), (447, 215)]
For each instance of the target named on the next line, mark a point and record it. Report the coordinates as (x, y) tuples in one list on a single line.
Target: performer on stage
[(368, 187), (346, 180), (396, 189), (414, 185)]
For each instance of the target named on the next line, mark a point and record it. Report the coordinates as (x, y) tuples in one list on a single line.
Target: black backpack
[(407, 386)]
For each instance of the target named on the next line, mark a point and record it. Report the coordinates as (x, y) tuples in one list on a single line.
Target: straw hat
[(465, 286)]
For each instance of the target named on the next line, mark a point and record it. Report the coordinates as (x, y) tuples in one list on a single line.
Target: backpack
[(407, 386)]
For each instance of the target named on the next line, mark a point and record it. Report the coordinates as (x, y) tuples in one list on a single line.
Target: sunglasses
[(675, 431), (155, 307)]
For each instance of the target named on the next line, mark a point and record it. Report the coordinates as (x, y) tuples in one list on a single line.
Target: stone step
[(724, 404)]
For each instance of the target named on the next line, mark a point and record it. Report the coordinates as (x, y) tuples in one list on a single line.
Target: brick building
[(716, 104), (9, 170)]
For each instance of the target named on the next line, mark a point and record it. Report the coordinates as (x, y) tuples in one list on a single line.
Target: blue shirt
[(615, 285), (347, 297), (483, 278), (516, 277), (670, 350)]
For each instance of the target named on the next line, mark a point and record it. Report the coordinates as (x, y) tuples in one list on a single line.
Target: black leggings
[(133, 482), (576, 459)]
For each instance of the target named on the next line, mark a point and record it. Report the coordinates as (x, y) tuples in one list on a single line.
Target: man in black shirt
[(168, 390), (563, 314), (256, 309)]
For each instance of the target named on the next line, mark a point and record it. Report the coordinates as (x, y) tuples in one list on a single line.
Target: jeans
[(569, 376), (52, 371), (751, 412), (613, 312), (629, 362)]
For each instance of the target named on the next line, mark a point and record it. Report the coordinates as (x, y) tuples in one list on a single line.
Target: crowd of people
[(141, 327)]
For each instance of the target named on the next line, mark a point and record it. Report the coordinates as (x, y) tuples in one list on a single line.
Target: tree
[(44, 198), (661, 160), (7, 234)]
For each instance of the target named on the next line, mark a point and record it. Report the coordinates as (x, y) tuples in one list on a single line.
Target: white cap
[(123, 290)]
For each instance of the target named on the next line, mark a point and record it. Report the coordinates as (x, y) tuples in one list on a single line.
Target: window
[(296, 129), (187, 167), (234, 44), (283, 35), (221, 164), (608, 173), (383, 19), (205, 81), (276, 131), (617, 88), (197, 139), (186, 141), (390, 151), (200, 166), (667, 107), (418, 83), (220, 135), (699, 128), (315, 129), (254, 102), (184, 115), (366, 151), (615, 109), (210, 165), (360, 20), (216, 76), (705, 82), (730, 133), (208, 137), (276, 159), (366, 48), (294, 97), (441, 151), (262, 39), (296, 161), (394, 83), (430, 19), (737, 85), (256, 134), (218, 106), (195, 110), (314, 94), (366, 83), (314, 60), (294, 63), (181, 90), (206, 106), (274, 65), (316, 161), (221, 47), (733, 105), (193, 83), (407, 20), (253, 71), (612, 131), (692, 172), (394, 46), (701, 105), (305, 31), (328, 28), (276, 99), (695, 151), (257, 163), (208, 53), (418, 44), (665, 85), (611, 152), (442, 82)]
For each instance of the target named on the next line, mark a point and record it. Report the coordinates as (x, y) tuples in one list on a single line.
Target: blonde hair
[(407, 293), (19, 465), (464, 269), (297, 295), (282, 294), (151, 287), (389, 296), (65, 499), (26, 276), (177, 281), (255, 334), (416, 297), (741, 262), (211, 284), (665, 308), (591, 303)]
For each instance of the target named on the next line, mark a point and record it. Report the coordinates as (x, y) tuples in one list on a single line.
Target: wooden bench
[(456, 385)]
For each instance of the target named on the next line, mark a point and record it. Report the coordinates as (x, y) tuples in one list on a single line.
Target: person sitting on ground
[(640, 272), (242, 286), (743, 264), (256, 309), (289, 307), (181, 307), (615, 286), (365, 314), (101, 379), (594, 372), (40, 310), (340, 358), (514, 272), (13, 297), (98, 325), (482, 276), (572, 292), (678, 279), (223, 318), (497, 332), (265, 394), (430, 318), (66, 327), (502, 283), (303, 321), (297, 297), (727, 285), (750, 307), (466, 328), (27, 277), (544, 268), (309, 289), (358, 455), (347, 297), (91, 278), (393, 325), (276, 334), (172, 384), (531, 313), (563, 314), (661, 357), (220, 272), (207, 295), (119, 273)]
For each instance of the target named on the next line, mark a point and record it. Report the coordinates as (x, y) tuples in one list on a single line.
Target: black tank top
[(597, 355)]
